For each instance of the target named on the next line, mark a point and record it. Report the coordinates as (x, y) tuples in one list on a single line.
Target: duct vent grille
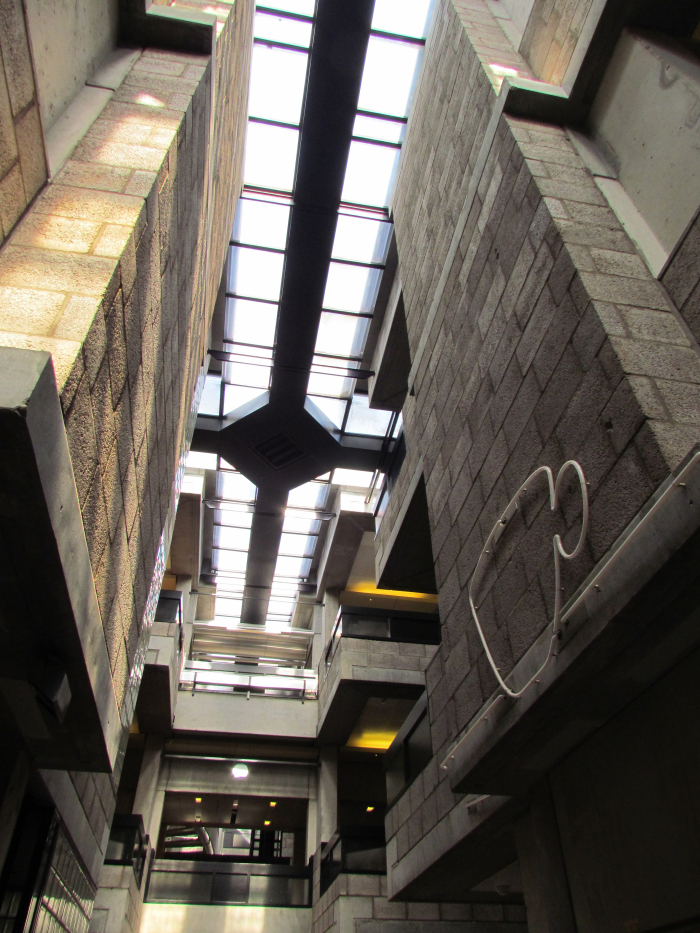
[(279, 451)]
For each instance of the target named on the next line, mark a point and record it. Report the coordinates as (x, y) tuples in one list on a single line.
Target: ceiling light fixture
[(197, 799), (369, 809), (267, 822), (239, 771), (273, 803)]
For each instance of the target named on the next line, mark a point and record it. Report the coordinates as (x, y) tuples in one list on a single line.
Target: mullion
[(349, 313), (263, 249), (287, 46), (357, 262), (265, 301), (283, 14), (410, 40), (376, 142), (382, 116)]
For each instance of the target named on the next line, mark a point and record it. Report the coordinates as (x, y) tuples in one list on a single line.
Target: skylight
[(277, 83), (283, 31), (387, 81), (270, 156)]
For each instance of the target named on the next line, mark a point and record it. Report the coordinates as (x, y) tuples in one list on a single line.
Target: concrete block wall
[(114, 269), (548, 340), (22, 159), (551, 34), (364, 897), (119, 902), (682, 277), (360, 657)]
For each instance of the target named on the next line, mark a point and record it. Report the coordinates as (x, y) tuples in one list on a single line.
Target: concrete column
[(317, 645), (545, 882), (148, 779), (331, 603), (311, 821), (327, 812)]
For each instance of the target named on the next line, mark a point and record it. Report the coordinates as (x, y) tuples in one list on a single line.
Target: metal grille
[(66, 901), (279, 451)]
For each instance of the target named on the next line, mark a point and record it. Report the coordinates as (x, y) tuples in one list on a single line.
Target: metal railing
[(209, 882), (379, 625), (128, 844), (347, 853), (249, 680)]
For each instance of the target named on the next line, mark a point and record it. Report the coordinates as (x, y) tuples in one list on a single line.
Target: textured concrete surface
[(22, 159), (546, 338)]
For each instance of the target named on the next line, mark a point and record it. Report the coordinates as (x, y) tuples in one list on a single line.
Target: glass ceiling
[(283, 33)]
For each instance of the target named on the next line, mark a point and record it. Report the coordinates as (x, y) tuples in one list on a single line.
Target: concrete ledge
[(190, 918), (230, 714), (51, 613), (468, 845), (438, 926)]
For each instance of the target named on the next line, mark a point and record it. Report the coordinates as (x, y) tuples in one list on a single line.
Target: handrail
[(224, 882), (251, 680)]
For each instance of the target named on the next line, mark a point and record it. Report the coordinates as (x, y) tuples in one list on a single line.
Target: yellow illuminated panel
[(379, 722), (369, 587)]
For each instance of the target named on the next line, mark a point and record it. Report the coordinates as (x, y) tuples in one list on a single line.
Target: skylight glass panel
[(282, 29), (323, 384), (234, 486), (270, 156), (257, 377), (311, 495), (369, 174), (236, 538), (236, 396), (255, 273), (229, 560), (360, 239), (283, 587), (196, 460), (277, 81), (359, 479), (234, 519), (365, 420), (297, 545), (211, 395), (403, 17), (388, 76), (332, 408), (292, 566), (373, 128), (296, 523), (351, 288), (250, 322), (228, 607), (261, 223), (343, 334), (302, 7)]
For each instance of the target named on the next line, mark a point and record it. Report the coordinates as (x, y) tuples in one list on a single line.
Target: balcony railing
[(350, 854), (249, 680), (381, 625), (201, 882), (128, 844)]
